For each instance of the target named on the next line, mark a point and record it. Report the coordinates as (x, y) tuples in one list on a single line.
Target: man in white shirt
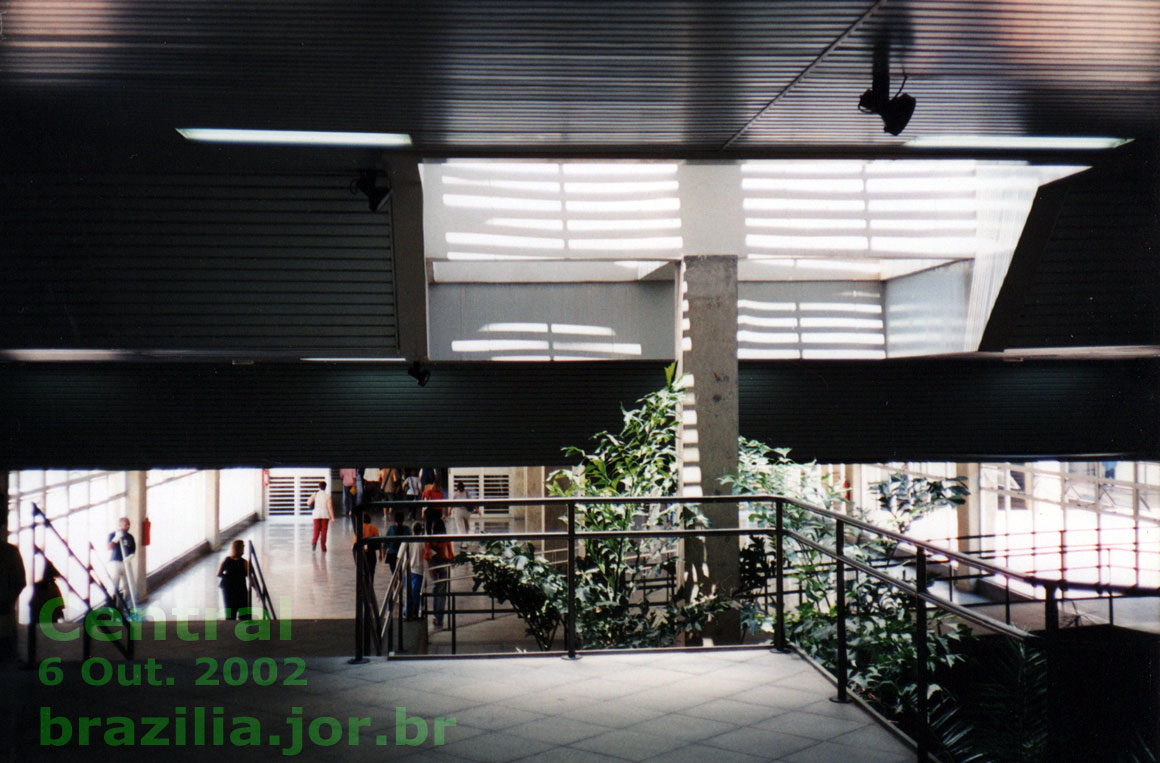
[(460, 515)]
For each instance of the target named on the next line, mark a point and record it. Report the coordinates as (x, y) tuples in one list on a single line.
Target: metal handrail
[(257, 582), (127, 649), (923, 551)]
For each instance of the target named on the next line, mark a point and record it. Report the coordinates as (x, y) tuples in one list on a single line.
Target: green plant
[(614, 576), (903, 498), (880, 620)]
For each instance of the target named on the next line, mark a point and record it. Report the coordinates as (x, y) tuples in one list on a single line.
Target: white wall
[(810, 320), (558, 321), (926, 313)]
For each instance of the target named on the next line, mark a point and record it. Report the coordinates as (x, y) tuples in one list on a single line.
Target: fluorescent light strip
[(1016, 142), (296, 137)]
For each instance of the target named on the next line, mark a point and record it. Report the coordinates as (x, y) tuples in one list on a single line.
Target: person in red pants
[(322, 512)]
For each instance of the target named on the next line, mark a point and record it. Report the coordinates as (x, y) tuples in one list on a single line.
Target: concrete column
[(707, 447), (213, 506), (410, 261), (135, 509)]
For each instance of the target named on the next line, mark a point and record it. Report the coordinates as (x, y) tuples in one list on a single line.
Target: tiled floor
[(718, 706), (743, 705)]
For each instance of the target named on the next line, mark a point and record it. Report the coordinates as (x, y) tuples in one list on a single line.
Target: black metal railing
[(913, 569), (256, 581), (112, 600)]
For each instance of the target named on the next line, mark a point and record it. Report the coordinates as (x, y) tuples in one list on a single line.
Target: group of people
[(428, 561)]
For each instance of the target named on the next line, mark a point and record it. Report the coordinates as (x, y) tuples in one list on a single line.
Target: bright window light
[(664, 223), (807, 223), (767, 337), (614, 186), (625, 244), (804, 185), (803, 167), (496, 239), (626, 348), (836, 243), (841, 337), (522, 328), (766, 307), (494, 257), (843, 307), (841, 323), (501, 202), (578, 169), (496, 345), (527, 223), (804, 205), (762, 353), (1016, 142), (578, 330), (296, 137), (636, 205), (767, 323), (540, 186)]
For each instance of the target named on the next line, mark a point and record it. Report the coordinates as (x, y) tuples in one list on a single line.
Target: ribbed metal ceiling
[(571, 75)]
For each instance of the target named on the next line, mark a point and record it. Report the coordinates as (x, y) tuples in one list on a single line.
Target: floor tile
[(631, 745)]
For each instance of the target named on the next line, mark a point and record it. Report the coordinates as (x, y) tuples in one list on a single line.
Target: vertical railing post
[(570, 619), (843, 664), (452, 597), (359, 595), (779, 548), (1054, 705), (920, 648)]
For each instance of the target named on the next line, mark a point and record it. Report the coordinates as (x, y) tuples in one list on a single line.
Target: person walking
[(411, 490), (322, 512), (372, 555), (234, 572), (419, 574), (461, 515), (349, 492), (439, 555), (397, 529)]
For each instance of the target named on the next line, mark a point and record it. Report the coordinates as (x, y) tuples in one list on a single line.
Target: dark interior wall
[(1087, 270), (941, 409), (234, 251), (212, 415)]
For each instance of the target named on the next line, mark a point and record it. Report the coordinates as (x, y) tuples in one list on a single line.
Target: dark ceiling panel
[(677, 76)]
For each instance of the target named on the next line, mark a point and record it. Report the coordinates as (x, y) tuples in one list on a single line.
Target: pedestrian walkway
[(719, 706)]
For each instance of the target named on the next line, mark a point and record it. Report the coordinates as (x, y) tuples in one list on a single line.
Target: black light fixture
[(367, 182), (419, 374), (895, 112)]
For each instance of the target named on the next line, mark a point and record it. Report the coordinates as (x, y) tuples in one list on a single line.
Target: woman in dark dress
[(235, 574)]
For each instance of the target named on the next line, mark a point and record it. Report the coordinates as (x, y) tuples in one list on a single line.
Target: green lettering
[(120, 735)]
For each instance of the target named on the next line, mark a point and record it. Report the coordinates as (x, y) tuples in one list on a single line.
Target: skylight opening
[(497, 239), (669, 204), (539, 186), (514, 328), (621, 187), (527, 223), (501, 202), (626, 244), (820, 243), (659, 223), (804, 205), (634, 169)]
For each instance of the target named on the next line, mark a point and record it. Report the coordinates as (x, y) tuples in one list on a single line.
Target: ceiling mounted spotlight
[(367, 183), (419, 374), (895, 112)]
